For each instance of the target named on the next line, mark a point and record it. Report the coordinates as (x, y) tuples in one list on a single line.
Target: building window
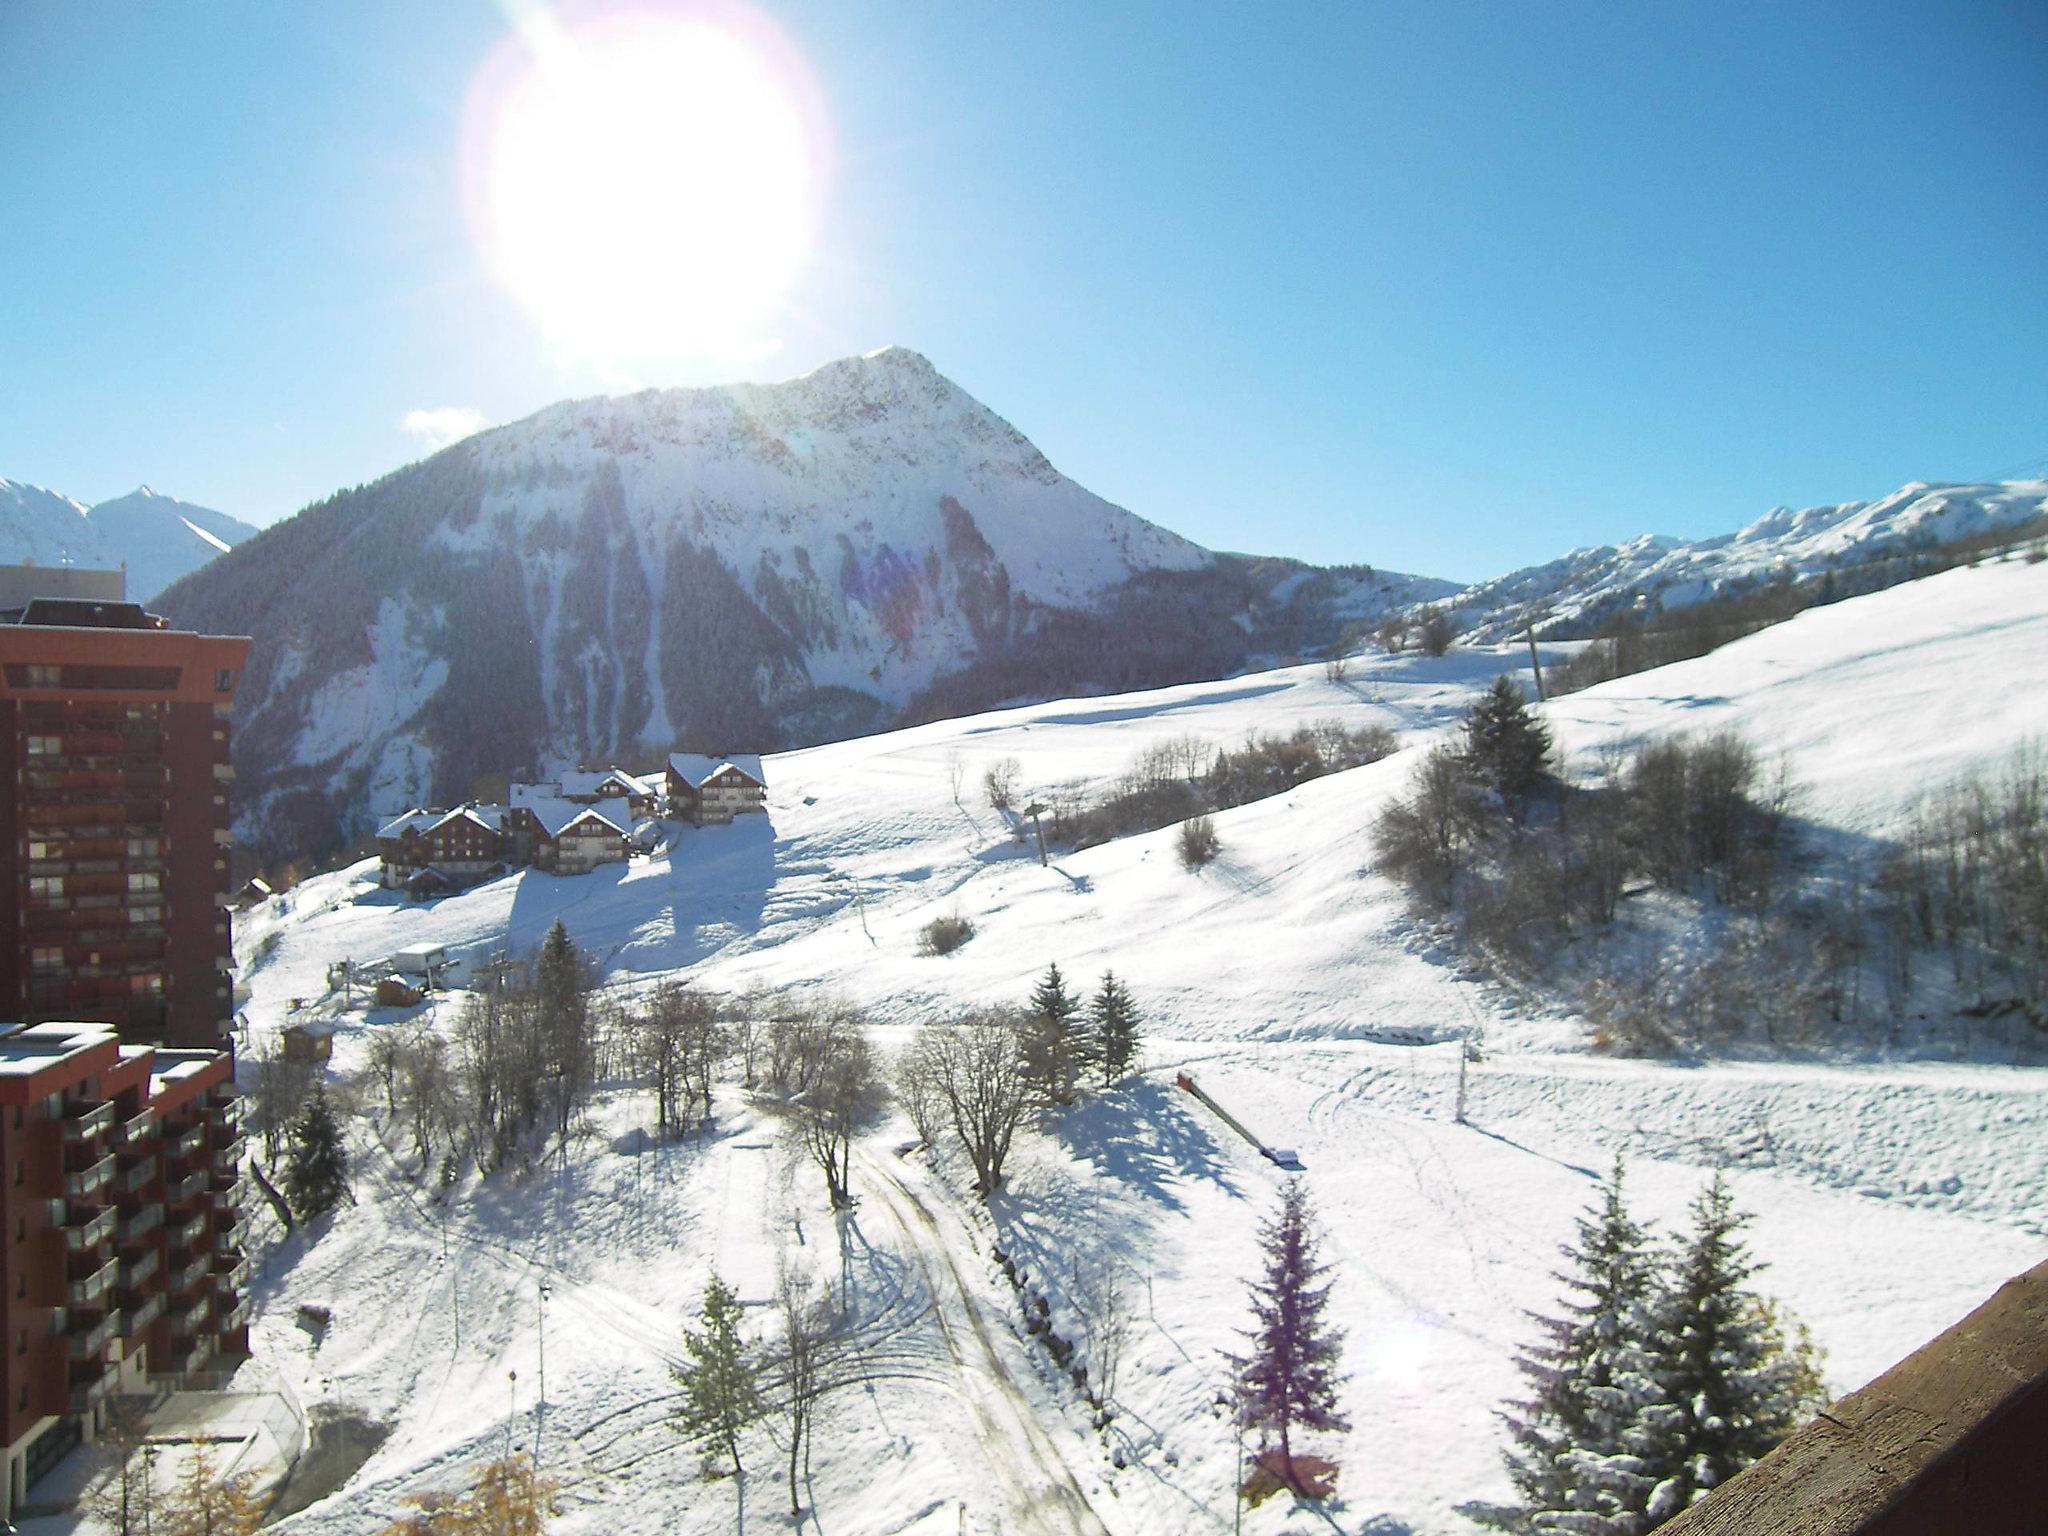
[(42, 746), (141, 847), (146, 986), (41, 675), (46, 957), (224, 681), (144, 880), (45, 887)]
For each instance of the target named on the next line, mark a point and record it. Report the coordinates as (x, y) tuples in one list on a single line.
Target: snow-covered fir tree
[(1288, 1380), (316, 1175), (1113, 1020), (1506, 746), (1730, 1385), (1574, 1439)]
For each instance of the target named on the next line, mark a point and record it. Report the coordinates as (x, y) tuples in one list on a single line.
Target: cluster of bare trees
[(1430, 631), (1186, 778), (819, 1063), (968, 1076)]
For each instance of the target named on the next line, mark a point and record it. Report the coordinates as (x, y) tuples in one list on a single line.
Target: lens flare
[(646, 179)]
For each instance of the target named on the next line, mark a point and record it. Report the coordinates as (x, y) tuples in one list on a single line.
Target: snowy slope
[(1889, 1198), (158, 538), (1652, 572)]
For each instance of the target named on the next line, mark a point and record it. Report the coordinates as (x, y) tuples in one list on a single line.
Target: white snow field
[(1889, 1196)]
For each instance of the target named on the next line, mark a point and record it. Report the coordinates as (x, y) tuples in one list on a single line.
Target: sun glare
[(645, 178)]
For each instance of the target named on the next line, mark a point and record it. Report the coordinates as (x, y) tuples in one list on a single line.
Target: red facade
[(119, 1219), (114, 841)]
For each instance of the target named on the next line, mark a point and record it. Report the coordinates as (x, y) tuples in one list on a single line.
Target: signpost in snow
[(1034, 810)]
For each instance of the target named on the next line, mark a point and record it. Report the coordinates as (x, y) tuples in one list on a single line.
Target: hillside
[(158, 538), (1889, 1196), (1847, 543), (736, 567)]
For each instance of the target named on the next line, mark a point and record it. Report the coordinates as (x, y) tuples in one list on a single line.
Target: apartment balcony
[(193, 1359), (222, 1094), (85, 1181), (91, 1343), (82, 1125), (138, 1267), (227, 1157), (133, 1228), (88, 1394), (90, 1290), (182, 1280), (227, 1202), (134, 1179), (189, 1234), (226, 1248), (236, 1316), (88, 1228), (135, 1130), (189, 1320), (188, 1143), (234, 1277), (138, 1317), (189, 1188)]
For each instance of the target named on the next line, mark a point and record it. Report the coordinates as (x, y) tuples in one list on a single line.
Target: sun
[(646, 179)]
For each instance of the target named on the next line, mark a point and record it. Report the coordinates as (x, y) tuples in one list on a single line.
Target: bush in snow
[(999, 783), (1198, 842), (943, 935)]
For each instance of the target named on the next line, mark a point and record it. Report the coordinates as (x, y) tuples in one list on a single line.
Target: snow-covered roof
[(414, 819), (590, 785), (556, 815), (490, 817), (693, 768)]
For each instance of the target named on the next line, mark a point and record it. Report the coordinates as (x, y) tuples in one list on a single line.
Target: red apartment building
[(120, 1261), (114, 853)]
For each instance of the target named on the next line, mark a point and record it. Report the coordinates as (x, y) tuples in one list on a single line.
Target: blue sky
[(1440, 287)]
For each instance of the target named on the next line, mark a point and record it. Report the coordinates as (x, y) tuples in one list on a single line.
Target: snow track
[(1038, 1486)]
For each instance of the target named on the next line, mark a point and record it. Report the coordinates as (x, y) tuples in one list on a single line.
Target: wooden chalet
[(706, 789)]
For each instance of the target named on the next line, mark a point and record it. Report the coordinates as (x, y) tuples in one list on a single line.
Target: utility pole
[(1464, 1060), (540, 1408), (1034, 810), (1535, 666)]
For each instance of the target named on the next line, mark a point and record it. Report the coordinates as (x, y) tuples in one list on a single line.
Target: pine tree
[(1574, 1459), (1506, 746), (316, 1171), (1114, 1025), (1052, 1048), (560, 984), (1730, 1385), (1288, 1382), (721, 1385)]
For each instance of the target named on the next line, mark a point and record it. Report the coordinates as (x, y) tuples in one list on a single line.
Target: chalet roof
[(557, 815), (693, 768), (589, 785), (490, 817), (413, 819)]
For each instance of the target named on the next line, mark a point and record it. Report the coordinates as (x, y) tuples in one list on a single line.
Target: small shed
[(422, 961), (305, 1043), (392, 992)]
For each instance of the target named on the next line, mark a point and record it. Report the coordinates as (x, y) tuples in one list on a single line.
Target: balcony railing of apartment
[(182, 1280), (84, 1123), (90, 1343), (138, 1267), (228, 1156), (88, 1290), (222, 1096), (235, 1316), (90, 1393), (88, 1227), (187, 1189), (189, 1142), (186, 1321), (136, 1129), (93, 1176), (134, 1178), (227, 1201), (140, 1223), (138, 1317), (188, 1234), (232, 1278), (188, 1361)]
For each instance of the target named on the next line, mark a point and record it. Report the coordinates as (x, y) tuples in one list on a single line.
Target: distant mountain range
[(734, 568), (157, 538), (1575, 593)]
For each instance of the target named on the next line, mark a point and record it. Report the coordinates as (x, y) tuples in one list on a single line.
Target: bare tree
[(978, 1064), (999, 782), (276, 1091), (1099, 1296), (919, 1094), (811, 1344), (843, 1092), (956, 774)]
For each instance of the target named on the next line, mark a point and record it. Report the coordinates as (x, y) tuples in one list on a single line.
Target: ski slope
[(1889, 1196)]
